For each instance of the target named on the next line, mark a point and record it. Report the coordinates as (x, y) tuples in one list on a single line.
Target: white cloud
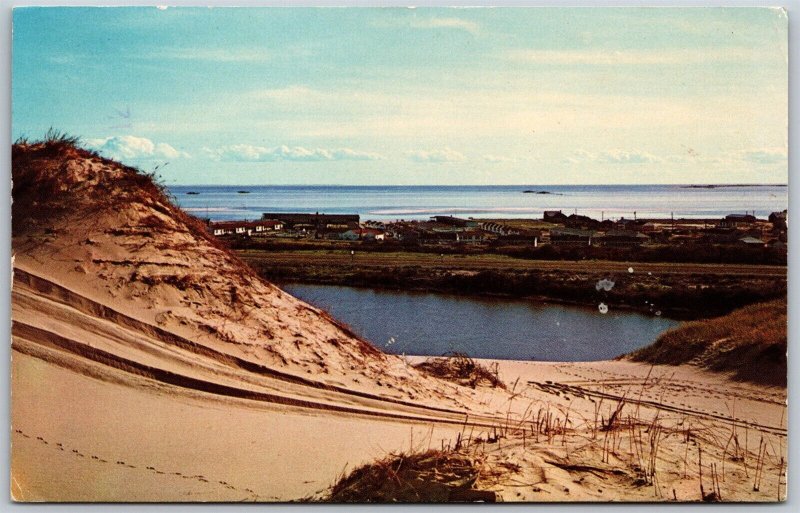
[(764, 155), (213, 54), (293, 93), (613, 157), (129, 147), (498, 159), (250, 153), (429, 23), (451, 23), (437, 156), (636, 57)]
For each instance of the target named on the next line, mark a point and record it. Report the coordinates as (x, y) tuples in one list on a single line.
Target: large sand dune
[(149, 364)]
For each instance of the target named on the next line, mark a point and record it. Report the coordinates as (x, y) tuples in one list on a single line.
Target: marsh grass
[(749, 342)]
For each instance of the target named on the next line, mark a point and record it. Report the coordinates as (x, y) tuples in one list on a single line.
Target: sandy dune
[(151, 365)]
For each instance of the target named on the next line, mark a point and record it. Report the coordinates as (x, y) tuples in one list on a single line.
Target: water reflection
[(432, 324)]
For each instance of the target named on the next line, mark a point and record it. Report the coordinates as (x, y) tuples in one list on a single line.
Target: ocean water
[(507, 201)]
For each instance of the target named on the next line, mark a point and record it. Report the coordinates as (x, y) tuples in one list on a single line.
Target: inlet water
[(432, 324)]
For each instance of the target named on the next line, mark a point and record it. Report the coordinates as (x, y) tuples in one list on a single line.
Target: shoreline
[(679, 291)]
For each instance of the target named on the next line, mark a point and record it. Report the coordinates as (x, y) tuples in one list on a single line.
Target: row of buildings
[(554, 228), (742, 229)]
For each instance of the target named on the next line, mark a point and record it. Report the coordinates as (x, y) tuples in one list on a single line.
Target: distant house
[(778, 220), (497, 228), (317, 222), (378, 225), (224, 228), (736, 220), (455, 221), (629, 224), (752, 241), (405, 234), (571, 237), (266, 225), (554, 216), (533, 237), (470, 236), (580, 221), (229, 228), (650, 227), (363, 234), (219, 231), (303, 227)]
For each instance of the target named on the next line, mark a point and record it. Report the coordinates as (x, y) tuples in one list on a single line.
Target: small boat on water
[(192, 192), (243, 192)]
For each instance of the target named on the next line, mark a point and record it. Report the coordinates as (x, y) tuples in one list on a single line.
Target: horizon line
[(764, 184)]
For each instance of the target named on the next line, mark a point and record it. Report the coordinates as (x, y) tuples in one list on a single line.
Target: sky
[(396, 96)]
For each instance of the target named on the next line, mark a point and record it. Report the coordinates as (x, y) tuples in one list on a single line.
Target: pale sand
[(149, 365)]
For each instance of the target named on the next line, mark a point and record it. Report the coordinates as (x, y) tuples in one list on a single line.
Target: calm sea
[(507, 201)]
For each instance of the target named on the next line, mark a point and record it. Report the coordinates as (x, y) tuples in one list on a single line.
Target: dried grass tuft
[(460, 368), (431, 476)]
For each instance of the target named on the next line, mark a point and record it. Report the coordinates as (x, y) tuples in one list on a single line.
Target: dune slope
[(114, 283)]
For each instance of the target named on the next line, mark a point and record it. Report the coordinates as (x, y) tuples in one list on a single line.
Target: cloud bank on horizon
[(413, 96)]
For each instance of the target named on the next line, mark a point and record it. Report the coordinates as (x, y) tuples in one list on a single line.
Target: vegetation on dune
[(430, 476), (749, 342), (460, 368), (56, 176)]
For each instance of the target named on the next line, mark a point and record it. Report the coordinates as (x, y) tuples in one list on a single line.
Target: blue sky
[(412, 96)]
